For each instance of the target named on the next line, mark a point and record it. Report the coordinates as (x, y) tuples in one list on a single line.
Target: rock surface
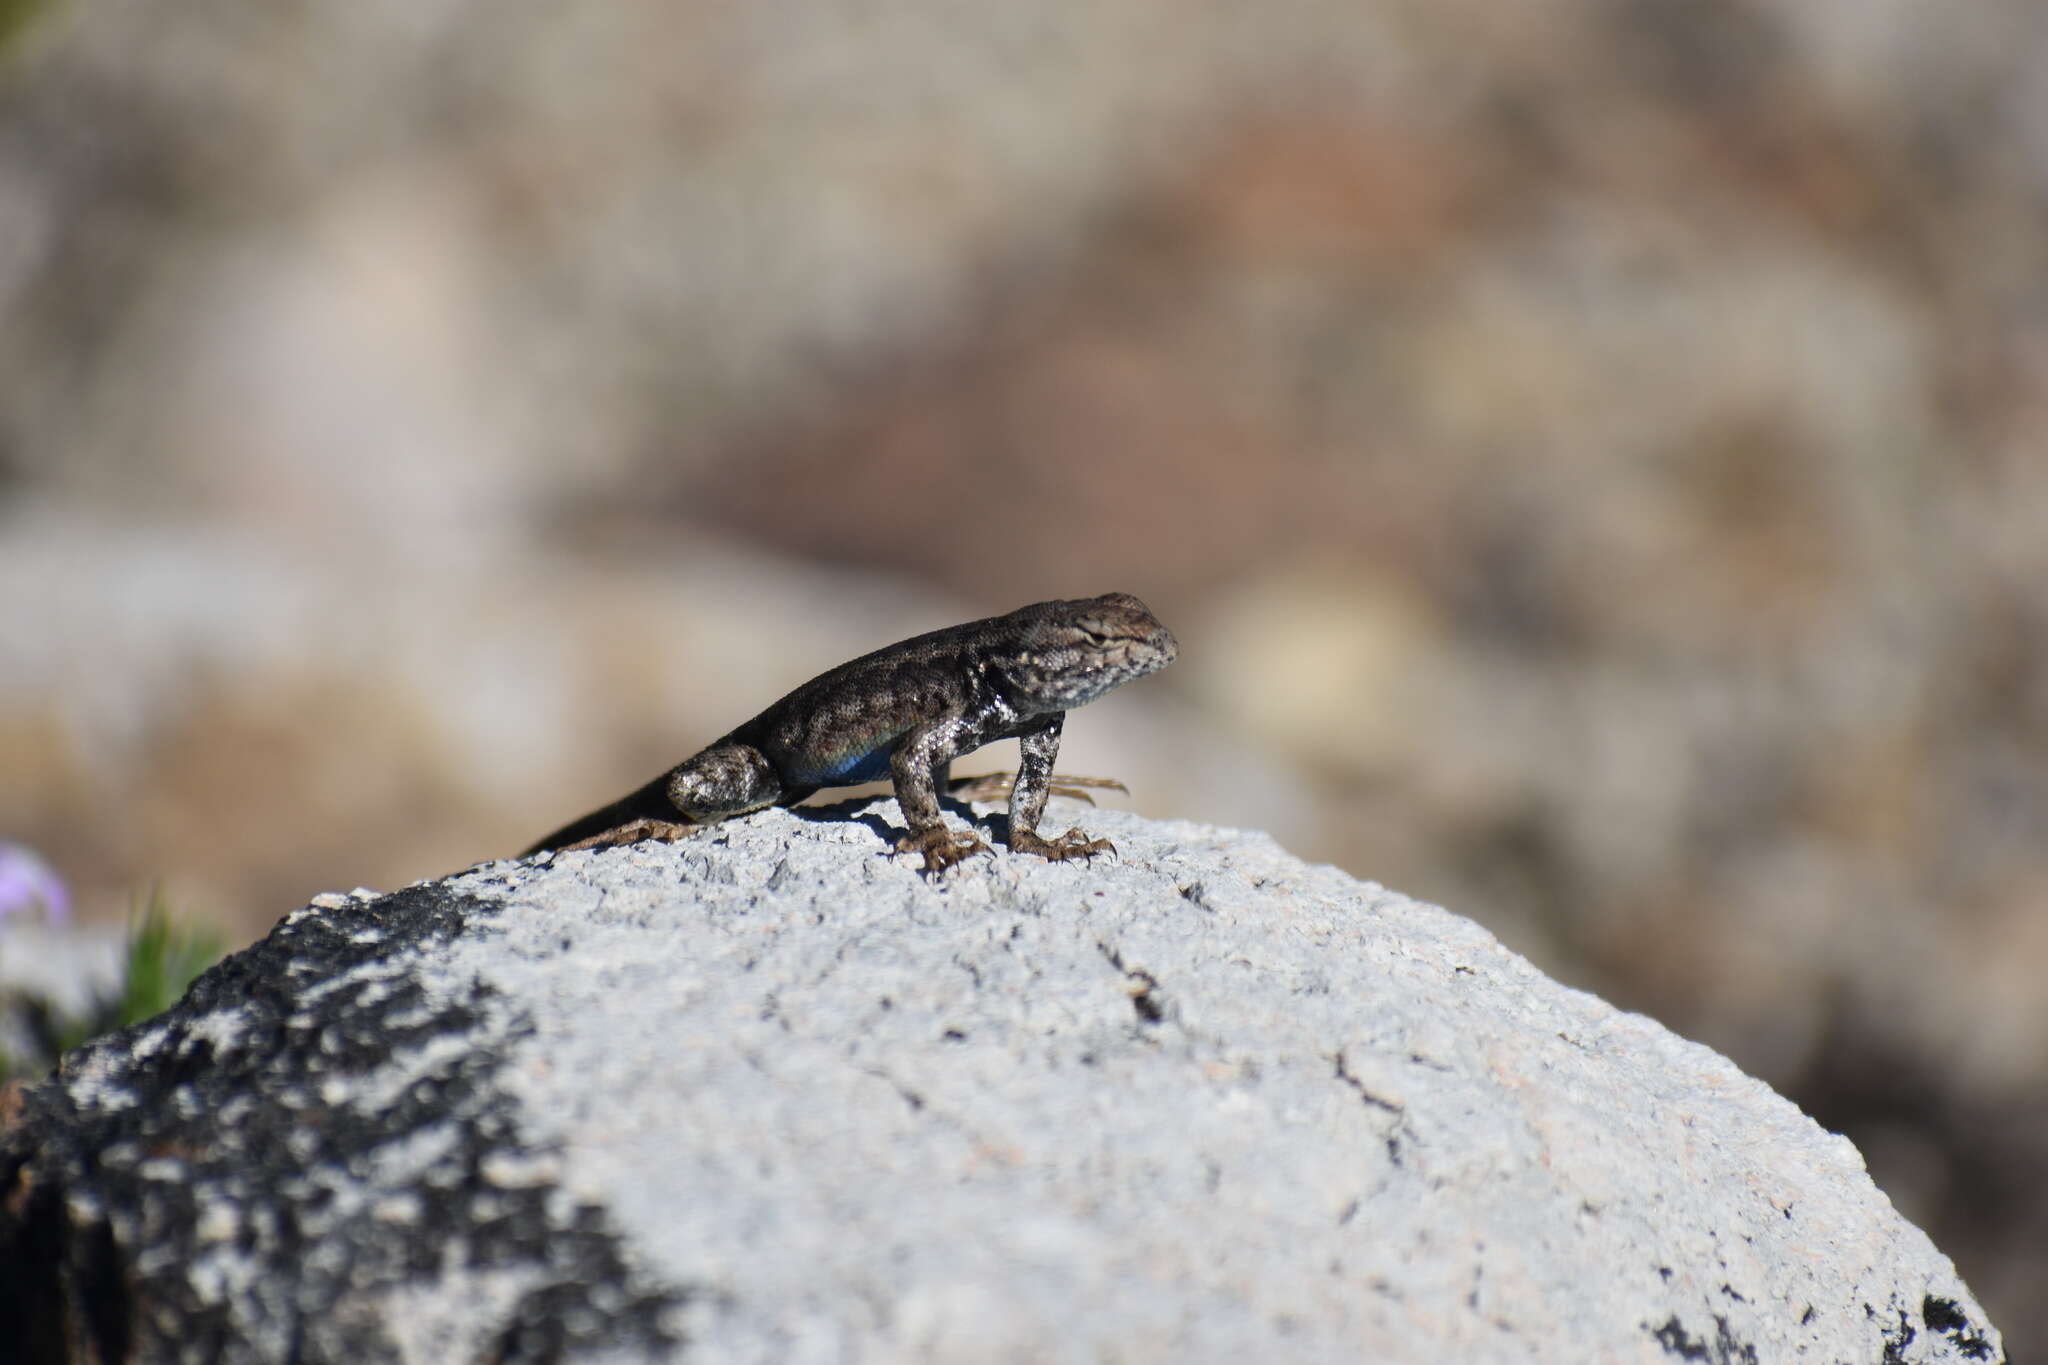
[(768, 1095)]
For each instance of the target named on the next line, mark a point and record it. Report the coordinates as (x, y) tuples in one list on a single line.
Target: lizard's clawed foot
[(632, 832), (996, 786), (1072, 844), (941, 847)]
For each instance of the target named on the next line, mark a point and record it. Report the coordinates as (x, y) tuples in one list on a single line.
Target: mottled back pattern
[(906, 711), (1049, 656)]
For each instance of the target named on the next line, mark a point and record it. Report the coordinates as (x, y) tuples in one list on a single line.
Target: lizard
[(906, 711)]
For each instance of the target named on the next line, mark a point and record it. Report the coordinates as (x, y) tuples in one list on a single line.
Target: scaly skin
[(909, 710)]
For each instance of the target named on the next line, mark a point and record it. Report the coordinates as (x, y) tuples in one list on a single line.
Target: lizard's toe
[(996, 786), (987, 787), (942, 847), (1072, 844)]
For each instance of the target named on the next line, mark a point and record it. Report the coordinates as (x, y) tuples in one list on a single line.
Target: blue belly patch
[(871, 766)]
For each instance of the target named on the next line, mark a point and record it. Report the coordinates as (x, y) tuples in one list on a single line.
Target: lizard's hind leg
[(632, 832), (726, 779), (996, 786)]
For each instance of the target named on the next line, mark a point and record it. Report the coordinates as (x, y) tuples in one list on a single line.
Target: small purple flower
[(27, 882)]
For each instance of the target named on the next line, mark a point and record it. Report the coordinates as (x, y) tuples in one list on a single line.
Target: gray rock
[(768, 1095)]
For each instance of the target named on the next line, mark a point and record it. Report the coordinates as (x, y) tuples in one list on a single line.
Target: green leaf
[(163, 959)]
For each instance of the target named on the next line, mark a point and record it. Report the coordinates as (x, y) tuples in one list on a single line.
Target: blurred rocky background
[(1594, 455)]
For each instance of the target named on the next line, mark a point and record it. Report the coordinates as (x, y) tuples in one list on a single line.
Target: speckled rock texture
[(768, 1095)]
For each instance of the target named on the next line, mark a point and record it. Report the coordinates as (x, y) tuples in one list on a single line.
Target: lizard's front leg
[(917, 767), (1037, 749)]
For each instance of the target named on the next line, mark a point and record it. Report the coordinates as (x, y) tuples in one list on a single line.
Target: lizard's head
[(1066, 654)]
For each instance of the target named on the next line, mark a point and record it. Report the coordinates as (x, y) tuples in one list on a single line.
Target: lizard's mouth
[(1169, 649), (1133, 658)]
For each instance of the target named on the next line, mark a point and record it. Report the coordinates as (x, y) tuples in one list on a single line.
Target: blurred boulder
[(767, 1094)]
